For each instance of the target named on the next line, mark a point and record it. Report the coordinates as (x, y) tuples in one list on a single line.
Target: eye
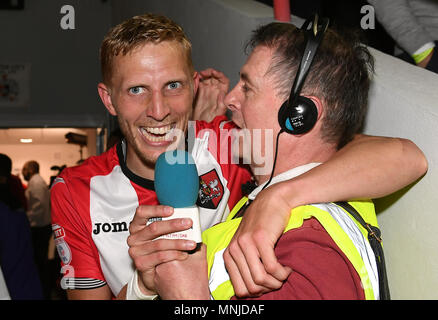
[(245, 88), (174, 85), (136, 90)]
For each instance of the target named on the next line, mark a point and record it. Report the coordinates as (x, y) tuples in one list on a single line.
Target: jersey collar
[(143, 182)]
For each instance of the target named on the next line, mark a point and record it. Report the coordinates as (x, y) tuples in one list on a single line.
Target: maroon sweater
[(320, 270)]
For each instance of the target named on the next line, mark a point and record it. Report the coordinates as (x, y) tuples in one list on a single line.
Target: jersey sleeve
[(72, 232)]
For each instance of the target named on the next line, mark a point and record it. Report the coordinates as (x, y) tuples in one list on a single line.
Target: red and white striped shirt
[(93, 204)]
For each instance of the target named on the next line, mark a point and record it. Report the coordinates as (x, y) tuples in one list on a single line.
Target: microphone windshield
[(176, 179)]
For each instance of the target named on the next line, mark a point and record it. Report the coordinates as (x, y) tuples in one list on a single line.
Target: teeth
[(161, 130), (165, 131)]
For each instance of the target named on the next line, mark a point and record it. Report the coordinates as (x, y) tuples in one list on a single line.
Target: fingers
[(262, 247), (253, 266), (159, 228), (146, 263), (197, 76), (210, 95), (153, 253), (215, 76), (185, 280), (258, 273), (161, 245), (271, 264), (251, 271), (144, 213), (145, 249), (221, 106), (239, 286), (141, 232)]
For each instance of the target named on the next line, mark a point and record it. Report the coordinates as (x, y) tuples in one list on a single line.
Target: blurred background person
[(407, 29), (20, 277), (413, 24), (38, 212), (13, 182)]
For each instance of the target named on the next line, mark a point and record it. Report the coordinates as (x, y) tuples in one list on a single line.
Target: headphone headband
[(314, 36), (298, 114)]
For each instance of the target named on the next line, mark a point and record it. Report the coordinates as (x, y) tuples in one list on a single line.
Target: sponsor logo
[(110, 227)]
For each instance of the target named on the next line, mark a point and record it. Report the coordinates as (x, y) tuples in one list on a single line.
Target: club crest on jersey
[(211, 190)]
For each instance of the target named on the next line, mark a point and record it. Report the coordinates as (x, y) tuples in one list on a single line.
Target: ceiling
[(38, 135)]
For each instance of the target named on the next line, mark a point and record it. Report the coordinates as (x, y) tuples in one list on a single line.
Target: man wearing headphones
[(149, 83), (334, 251)]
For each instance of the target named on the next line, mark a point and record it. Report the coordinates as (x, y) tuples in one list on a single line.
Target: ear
[(196, 79), (319, 105), (105, 96)]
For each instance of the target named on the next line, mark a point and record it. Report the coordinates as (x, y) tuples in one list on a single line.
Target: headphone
[(298, 114)]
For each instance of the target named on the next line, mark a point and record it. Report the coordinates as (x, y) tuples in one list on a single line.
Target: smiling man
[(159, 75), (150, 84)]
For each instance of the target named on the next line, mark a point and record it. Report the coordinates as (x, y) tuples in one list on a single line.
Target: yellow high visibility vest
[(348, 234)]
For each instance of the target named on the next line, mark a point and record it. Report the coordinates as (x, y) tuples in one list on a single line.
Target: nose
[(158, 109), (231, 100)]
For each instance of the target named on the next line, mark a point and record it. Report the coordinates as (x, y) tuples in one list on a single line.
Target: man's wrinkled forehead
[(257, 65), (174, 49)]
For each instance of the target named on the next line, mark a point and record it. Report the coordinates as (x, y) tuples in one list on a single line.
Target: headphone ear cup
[(300, 118), (283, 117)]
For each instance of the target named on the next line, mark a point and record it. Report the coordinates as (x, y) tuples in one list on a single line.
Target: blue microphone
[(176, 183), (176, 179)]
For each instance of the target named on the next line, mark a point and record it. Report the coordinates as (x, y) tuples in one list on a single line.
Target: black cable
[(275, 160), (243, 208)]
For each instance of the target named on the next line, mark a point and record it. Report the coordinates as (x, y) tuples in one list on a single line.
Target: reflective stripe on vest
[(350, 237)]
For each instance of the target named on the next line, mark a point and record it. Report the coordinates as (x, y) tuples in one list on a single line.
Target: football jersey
[(93, 204)]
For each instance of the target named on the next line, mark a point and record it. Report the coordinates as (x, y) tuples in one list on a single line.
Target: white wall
[(404, 103), (64, 64), (48, 155), (218, 29)]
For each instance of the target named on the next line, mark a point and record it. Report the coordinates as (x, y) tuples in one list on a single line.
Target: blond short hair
[(135, 32)]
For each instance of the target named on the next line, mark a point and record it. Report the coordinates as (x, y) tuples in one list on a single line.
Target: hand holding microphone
[(177, 185)]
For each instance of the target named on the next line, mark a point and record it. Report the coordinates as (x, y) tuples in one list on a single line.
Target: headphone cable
[(275, 160)]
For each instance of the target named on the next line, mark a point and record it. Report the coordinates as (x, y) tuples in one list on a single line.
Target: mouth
[(238, 120), (158, 134)]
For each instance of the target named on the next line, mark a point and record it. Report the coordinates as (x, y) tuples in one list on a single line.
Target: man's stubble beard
[(178, 143)]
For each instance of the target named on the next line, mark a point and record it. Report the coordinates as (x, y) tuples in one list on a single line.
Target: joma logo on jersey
[(110, 227)]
